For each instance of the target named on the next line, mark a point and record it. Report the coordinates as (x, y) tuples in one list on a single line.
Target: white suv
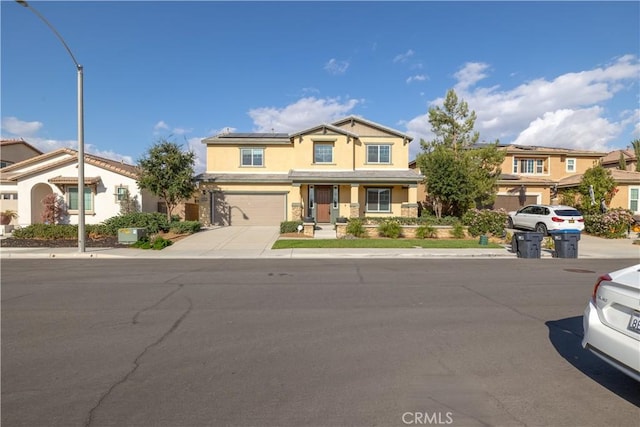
[(545, 218)]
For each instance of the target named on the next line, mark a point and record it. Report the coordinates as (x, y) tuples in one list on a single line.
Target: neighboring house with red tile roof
[(16, 150), (24, 185)]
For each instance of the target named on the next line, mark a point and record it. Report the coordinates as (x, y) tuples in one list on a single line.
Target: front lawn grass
[(381, 244)]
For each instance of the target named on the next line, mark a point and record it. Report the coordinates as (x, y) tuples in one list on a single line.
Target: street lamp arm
[(39, 15)]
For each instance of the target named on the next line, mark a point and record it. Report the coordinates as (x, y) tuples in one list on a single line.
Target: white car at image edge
[(612, 320)]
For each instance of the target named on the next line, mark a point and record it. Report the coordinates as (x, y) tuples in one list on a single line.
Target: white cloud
[(336, 67), (161, 125), (417, 78), (18, 127), (567, 111), (200, 151), (304, 113), (470, 74), (585, 128), (403, 57)]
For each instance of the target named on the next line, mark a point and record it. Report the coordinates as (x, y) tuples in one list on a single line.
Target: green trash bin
[(527, 244)]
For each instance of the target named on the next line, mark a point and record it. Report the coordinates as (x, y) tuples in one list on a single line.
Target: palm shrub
[(426, 231), (390, 228), (457, 232), (355, 227)]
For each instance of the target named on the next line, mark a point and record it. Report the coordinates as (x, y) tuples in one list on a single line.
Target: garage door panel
[(251, 209), (512, 203)]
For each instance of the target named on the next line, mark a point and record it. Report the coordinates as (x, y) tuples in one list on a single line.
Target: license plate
[(634, 323), (571, 221)]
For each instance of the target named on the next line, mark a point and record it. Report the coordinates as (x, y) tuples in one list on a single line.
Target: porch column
[(354, 207), (410, 208), (296, 203)]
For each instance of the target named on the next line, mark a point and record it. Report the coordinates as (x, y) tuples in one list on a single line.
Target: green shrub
[(613, 224), (98, 230), (426, 231), (156, 243), (289, 226), (47, 231), (185, 227), (485, 222), (154, 222), (457, 232), (390, 228), (355, 227)]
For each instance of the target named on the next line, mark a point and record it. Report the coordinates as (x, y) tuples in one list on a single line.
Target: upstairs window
[(528, 166), (323, 153), (252, 157), (379, 153), (571, 165)]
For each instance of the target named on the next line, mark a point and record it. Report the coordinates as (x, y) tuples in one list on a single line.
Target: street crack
[(136, 361)]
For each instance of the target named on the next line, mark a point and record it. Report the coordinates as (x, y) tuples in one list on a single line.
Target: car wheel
[(510, 223), (541, 228)]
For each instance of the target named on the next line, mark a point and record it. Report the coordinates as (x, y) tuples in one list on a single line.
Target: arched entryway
[(38, 193)]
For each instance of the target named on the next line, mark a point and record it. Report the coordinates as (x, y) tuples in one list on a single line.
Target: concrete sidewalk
[(256, 242)]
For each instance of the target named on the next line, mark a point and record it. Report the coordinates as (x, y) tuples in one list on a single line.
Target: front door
[(323, 204)]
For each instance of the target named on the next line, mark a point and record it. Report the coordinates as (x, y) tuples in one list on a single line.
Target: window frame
[(636, 199), (378, 147), (120, 196), (528, 166), (252, 152), (87, 209), (317, 145), (378, 190), (567, 161)]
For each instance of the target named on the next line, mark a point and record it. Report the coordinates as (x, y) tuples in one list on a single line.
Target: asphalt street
[(318, 342)]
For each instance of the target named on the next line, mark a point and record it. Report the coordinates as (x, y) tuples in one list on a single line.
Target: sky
[(552, 74)]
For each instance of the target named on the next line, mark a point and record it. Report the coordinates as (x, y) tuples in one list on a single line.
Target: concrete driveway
[(238, 241)]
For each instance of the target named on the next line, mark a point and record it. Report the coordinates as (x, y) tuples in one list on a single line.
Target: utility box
[(565, 243), (131, 235), (527, 244)]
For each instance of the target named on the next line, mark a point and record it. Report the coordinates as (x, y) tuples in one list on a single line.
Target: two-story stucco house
[(532, 174), (349, 168)]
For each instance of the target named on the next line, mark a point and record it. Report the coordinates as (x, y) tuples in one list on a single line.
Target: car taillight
[(581, 220), (556, 219), (603, 278)]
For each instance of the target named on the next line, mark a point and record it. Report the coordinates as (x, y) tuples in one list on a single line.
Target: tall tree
[(167, 172), (622, 162), (603, 184), (458, 173), (636, 149)]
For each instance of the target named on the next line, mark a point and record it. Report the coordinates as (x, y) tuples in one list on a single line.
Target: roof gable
[(61, 157), (365, 127)]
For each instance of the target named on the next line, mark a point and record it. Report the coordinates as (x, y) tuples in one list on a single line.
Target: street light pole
[(81, 210)]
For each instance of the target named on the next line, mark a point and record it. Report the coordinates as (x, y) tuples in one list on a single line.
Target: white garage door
[(254, 209)]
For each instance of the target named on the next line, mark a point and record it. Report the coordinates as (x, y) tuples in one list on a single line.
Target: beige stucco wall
[(555, 165), (300, 155)]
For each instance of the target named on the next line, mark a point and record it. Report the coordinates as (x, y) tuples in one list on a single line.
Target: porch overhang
[(402, 177)]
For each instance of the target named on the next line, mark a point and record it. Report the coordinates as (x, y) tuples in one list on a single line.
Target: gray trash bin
[(565, 243), (527, 244)]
